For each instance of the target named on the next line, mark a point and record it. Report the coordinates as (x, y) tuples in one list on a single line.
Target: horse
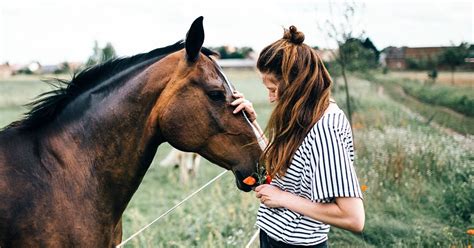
[(69, 168), (187, 162)]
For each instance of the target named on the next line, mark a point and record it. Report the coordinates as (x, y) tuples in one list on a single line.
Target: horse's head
[(194, 111)]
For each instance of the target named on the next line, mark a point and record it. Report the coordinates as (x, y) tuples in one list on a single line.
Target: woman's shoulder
[(333, 118)]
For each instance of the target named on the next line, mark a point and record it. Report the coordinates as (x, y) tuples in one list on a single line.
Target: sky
[(53, 31)]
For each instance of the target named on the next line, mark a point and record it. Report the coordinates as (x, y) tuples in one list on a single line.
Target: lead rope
[(261, 141), (254, 237), (171, 209)]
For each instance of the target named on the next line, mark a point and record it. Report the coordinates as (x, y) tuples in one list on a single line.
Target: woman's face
[(271, 83)]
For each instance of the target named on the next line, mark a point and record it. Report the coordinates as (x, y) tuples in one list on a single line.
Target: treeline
[(355, 55), (230, 52)]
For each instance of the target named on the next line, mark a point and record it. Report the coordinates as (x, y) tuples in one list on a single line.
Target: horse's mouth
[(239, 178)]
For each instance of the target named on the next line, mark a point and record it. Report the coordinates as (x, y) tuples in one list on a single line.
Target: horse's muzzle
[(239, 178)]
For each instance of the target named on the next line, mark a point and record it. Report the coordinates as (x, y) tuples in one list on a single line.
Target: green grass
[(463, 124), (420, 180), (15, 93), (457, 98)]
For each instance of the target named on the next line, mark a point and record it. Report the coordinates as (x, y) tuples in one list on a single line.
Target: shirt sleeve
[(333, 154)]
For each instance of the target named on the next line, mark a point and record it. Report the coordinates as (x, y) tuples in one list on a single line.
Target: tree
[(100, 55), (108, 52), (95, 58), (350, 52), (368, 44), (229, 52), (454, 57), (63, 68), (358, 57)]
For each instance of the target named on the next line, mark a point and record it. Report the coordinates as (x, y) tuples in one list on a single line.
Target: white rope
[(254, 237), (261, 141), (171, 209)]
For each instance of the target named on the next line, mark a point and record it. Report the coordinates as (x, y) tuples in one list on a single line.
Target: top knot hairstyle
[(304, 87), (293, 35)]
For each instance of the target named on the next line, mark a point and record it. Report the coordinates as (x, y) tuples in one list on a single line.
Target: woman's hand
[(270, 195), (243, 104)]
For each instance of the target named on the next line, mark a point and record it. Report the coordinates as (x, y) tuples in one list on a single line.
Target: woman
[(310, 151)]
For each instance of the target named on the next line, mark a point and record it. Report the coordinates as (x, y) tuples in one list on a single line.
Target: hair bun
[(293, 35)]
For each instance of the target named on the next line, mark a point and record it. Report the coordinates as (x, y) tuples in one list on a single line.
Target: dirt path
[(467, 140)]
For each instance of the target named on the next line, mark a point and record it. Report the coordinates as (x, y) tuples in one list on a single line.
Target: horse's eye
[(216, 95)]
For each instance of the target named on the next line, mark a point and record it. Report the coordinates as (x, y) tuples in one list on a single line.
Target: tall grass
[(420, 181)]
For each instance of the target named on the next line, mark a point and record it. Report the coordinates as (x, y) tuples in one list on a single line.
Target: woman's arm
[(345, 212)]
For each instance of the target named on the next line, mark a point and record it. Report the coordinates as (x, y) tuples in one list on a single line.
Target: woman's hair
[(303, 96)]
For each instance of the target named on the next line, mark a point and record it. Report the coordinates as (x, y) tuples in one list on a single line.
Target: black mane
[(49, 104)]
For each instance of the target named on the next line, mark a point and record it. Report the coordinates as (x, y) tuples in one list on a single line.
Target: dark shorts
[(267, 242)]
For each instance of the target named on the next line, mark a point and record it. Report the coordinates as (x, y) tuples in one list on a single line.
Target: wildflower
[(268, 179), (258, 178), (250, 180), (470, 232), (364, 187)]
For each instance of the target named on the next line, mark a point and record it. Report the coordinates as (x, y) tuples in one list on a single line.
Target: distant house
[(327, 55), (393, 58), (397, 58), (5, 70), (423, 52), (33, 67)]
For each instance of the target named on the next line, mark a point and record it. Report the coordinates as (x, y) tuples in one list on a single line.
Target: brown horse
[(70, 167)]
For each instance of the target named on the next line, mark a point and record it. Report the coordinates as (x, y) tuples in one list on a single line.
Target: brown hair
[(303, 96)]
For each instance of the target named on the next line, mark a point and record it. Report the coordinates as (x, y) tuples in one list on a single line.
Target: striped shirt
[(321, 170)]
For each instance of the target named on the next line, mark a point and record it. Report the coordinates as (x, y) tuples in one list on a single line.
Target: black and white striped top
[(321, 170)]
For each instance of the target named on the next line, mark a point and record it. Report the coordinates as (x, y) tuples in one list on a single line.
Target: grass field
[(448, 106), (420, 180)]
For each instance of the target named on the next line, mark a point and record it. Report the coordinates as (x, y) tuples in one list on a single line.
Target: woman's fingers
[(260, 187), (237, 94), (243, 104), (237, 101), (239, 108)]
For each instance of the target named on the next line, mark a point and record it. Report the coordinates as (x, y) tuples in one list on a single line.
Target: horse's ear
[(194, 40)]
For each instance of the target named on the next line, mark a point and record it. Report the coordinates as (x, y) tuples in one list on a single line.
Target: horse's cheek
[(179, 126)]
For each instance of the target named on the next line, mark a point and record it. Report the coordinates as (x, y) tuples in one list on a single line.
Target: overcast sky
[(52, 31)]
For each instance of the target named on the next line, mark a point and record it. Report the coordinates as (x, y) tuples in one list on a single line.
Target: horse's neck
[(113, 143)]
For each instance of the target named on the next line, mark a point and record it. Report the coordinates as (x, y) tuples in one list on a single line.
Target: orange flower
[(470, 232), (250, 180), (364, 187)]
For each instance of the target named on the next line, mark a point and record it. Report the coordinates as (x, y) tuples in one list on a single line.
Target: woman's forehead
[(269, 80)]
